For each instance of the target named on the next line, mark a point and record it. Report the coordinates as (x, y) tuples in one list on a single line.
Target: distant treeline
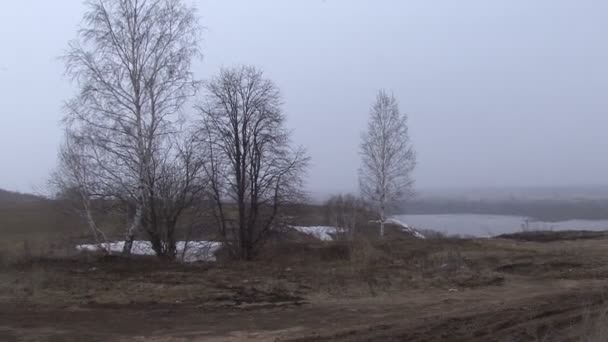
[(544, 210)]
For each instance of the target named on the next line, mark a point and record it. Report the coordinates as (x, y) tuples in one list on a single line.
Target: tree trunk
[(128, 246), (98, 235), (130, 236), (382, 219)]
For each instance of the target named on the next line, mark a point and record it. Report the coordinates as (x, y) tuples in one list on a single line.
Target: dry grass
[(340, 269), (291, 270), (365, 267), (362, 271), (36, 229)]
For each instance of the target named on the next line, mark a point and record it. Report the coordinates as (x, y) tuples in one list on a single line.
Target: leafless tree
[(73, 182), (179, 185), (346, 212), (132, 64), (387, 156), (252, 168)]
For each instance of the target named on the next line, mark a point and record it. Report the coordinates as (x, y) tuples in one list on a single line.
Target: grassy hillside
[(32, 222), (11, 197)]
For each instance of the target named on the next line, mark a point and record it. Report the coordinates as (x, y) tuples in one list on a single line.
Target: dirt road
[(522, 311)]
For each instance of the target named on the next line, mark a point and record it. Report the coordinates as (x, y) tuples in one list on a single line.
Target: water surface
[(491, 225)]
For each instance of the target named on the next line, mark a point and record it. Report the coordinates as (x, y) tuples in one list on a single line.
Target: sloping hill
[(11, 197), (33, 221)]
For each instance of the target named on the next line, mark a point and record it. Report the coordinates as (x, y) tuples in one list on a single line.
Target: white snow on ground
[(323, 233), (195, 250), (405, 227), (327, 233)]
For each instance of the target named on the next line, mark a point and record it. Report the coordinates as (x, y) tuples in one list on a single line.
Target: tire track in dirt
[(550, 317)]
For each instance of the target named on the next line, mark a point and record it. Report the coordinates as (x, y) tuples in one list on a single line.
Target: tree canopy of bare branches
[(252, 168), (387, 156), (132, 64)]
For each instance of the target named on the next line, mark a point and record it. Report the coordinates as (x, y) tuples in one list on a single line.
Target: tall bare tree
[(132, 64), (387, 156), (252, 168)]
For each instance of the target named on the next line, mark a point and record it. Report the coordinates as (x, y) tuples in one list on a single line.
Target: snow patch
[(327, 233), (405, 227), (195, 250), (323, 233)]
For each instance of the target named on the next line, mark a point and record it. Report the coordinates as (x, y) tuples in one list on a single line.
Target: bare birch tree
[(73, 180), (387, 157), (252, 168), (132, 64)]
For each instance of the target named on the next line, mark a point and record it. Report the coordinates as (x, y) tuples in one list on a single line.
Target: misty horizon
[(499, 95)]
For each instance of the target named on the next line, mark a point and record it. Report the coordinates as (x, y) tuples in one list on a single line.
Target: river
[(491, 225)]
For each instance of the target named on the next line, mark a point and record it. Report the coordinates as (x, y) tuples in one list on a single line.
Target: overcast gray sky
[(499, 93)]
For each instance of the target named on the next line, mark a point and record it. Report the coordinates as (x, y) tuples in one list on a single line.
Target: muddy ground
[(441, 290)]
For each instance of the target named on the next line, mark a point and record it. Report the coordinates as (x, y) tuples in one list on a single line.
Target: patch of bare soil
[(508, 316)]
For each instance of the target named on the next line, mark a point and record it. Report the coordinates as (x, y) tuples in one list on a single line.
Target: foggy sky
[(499, 93)]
